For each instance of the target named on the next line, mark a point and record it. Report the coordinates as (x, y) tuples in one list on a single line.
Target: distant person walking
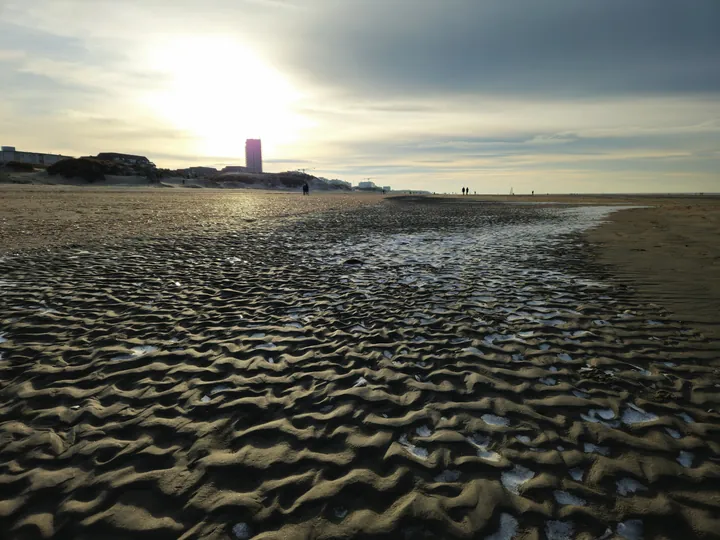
[(306, 189), (463, 191)]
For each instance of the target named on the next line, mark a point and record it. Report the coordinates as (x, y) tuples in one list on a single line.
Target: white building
[(367, 184), (8, 153)]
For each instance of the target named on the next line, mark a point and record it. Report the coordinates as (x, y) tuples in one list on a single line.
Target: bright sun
[(223, 94)]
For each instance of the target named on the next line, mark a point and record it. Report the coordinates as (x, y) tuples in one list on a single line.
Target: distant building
[(253, 155), (8, 153), (235, 169), (125, 158), (387, 188), (367, 184), (196, 172)]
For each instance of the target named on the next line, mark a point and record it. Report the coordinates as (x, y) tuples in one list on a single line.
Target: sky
[(558, 96)]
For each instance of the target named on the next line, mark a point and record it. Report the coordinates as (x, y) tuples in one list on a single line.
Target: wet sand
[(408, 369), (33, 217), (671, 254)]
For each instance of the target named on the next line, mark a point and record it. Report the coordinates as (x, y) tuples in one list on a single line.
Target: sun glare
[(222, 93)]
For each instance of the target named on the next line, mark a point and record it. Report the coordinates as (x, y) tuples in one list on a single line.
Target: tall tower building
[(253, 155)]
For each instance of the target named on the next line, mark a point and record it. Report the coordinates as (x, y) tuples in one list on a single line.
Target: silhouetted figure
[(467, 191), (533, 192), (306, 189), (463, 191)]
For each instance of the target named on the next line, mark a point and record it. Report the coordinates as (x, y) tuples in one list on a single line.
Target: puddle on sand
[(137, 352), (516, 477), (422, 453), (577, 474), (685, 459), (559, 530), (481, 443), (423, 431), (242, 531), (631, 529), (508, 528), (598, 415), (625, 486), (635, 415), (591, 448), (448, 476), (494, 420), (565, 498), (686, 418)]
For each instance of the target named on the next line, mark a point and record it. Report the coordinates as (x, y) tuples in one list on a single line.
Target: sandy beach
[(212, 364)]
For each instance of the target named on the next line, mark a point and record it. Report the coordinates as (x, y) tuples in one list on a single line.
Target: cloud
[(418, 94)]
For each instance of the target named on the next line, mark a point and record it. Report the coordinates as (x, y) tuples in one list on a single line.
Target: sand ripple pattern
[(400, 371)]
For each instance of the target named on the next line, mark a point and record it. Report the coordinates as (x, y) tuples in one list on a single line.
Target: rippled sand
[(403, 370)]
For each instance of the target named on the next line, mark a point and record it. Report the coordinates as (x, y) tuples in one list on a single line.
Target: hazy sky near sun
[(551, 96)]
